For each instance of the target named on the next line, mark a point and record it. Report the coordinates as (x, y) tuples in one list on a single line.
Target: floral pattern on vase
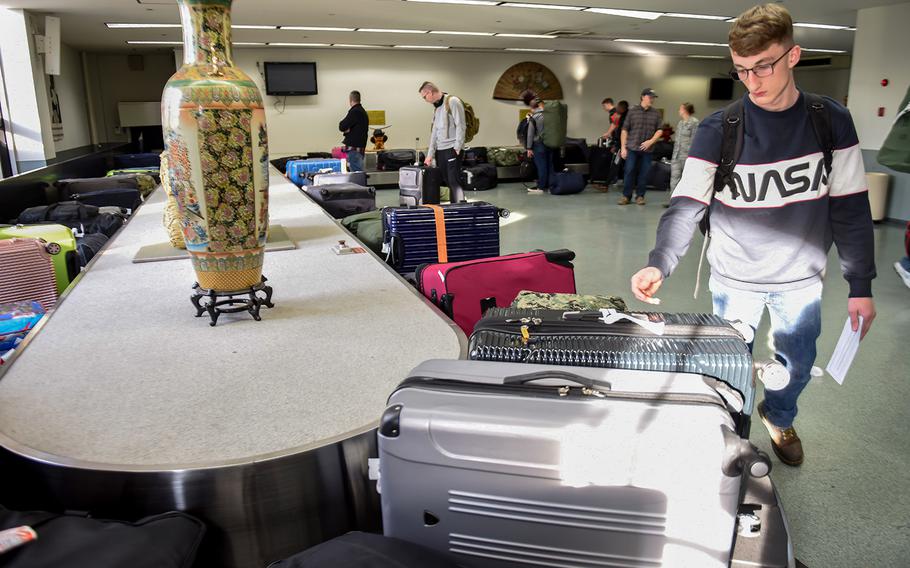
[(214, 132)]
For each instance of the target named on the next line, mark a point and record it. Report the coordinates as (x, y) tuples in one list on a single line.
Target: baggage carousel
[(124, 404)]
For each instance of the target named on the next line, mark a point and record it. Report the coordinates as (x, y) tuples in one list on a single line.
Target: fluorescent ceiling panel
[(640, 14), (390, 31), (543, 6), (462, 33), (696, 16), (467, 2), (316, 29), (533, 36), (421, 46)]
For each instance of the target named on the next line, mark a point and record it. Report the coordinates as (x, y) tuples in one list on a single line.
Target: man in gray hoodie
[(446, 137)]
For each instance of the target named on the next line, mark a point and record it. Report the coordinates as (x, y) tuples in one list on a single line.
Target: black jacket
[(355, 126)]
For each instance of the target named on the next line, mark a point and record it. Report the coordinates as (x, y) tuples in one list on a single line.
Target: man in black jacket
[(355, 127)]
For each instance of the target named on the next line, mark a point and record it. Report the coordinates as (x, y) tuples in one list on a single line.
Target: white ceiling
[(83, 23)]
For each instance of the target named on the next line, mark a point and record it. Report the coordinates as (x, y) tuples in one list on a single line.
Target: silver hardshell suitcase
[(509, 465)]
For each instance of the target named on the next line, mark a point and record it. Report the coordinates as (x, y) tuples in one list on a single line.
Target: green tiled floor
[(849, 503)]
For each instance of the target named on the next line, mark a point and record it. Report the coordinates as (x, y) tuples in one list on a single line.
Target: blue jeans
[(643, 161), (905, 263), (796, 323), (355, 161), (543, 161)]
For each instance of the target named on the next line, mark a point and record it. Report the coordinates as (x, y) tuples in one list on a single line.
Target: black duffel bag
[(85, 218), (393, 160), (169, 540), (474, 156), (480, 177), (88, 246), (367, 550)]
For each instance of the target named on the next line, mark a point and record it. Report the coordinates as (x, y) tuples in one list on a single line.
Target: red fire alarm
[(884, 82), (881, 111)]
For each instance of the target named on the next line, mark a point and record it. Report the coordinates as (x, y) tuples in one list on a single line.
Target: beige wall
[(70, 87)]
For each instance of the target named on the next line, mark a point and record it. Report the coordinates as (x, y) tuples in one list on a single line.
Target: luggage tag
[(612, 316)]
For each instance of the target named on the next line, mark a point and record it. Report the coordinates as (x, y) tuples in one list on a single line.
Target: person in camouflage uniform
[(527, 299)]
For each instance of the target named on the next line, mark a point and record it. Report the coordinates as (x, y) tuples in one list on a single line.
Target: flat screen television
[(283, 78), (721, 89)]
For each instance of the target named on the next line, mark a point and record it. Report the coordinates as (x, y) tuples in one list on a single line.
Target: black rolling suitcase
[(474, 156), (439, 233), (690, 343), (343, 199), (659, 176), (393, 160), (419, 185), (599, 165), (479, 178)]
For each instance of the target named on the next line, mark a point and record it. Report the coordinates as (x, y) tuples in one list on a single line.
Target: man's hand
[(428, 162), (623, 153), (864, 307), (530, 153), (645, 284), (645, 145)]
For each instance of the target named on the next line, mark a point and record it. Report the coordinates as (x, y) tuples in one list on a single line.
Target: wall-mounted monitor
[(721, 89), (283, 78)]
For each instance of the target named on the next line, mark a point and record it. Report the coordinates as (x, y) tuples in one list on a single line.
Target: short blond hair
[(428, 85), (759, 27)]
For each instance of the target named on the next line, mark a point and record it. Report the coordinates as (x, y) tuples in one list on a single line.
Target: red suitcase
[(27, 272), (464, 290)]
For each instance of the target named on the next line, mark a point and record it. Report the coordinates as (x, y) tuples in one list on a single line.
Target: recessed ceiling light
[(706, 56), (357, 46), (248, 43), (462, 33), (467, 2), (820, 26), (316, 29), (390, 31), (292, 44), (641, 40), (421, 46), (527, 49), (542, 6), (640, 14), (696, 16), (704, 43), (132, 26), (155, 42), (824, 50), (533, 36), (253, 27)]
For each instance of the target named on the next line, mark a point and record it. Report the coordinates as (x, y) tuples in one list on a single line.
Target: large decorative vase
[(217, 152)]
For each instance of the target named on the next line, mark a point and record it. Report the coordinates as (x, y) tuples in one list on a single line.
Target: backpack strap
[(731, 145), (820, 118)]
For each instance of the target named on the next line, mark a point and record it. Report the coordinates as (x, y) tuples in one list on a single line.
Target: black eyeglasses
[(763, 70)]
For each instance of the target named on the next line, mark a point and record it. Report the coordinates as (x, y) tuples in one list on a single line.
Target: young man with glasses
[(770, 235)]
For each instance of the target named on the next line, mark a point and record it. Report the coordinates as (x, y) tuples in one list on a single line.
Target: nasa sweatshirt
[(774, 230)]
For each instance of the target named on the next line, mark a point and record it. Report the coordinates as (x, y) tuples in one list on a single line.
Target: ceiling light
[(391, 31), (731, 20), (252, 27), (821, 26), (527, 49), (248, 43), (354, 45), (291, 44), (316, 29), (708, 44), (697, 16), (462, 33), (706, 56), (468, 2), (131, 26), (641, 40), (421, 46), (155, 42), (542, 6), (533, 36), (825, 50), (640, 14)]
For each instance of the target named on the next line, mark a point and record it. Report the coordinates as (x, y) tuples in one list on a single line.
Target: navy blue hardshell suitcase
[(410, 236)]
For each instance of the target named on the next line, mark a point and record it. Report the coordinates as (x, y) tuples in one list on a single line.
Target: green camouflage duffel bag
[(504, 157), (543, 301)]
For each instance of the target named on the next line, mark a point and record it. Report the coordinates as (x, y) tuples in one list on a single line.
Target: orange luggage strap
[(442, 250)]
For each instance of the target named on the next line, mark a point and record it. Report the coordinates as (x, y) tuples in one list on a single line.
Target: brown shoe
[(623, 200), (784, 441), (602, 188), (640, 200)]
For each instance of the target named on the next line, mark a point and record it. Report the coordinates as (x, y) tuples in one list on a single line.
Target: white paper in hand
[(845, 351)]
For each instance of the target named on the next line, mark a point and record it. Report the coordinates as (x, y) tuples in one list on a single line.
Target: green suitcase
[(65, 255)]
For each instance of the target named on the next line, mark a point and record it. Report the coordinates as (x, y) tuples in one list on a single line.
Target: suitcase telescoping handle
[(559, 375)]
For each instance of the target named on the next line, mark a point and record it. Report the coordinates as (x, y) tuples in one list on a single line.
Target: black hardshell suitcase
[(508, 466), (691, 343), (393, 160), (599, 165), (343, 199), (480, 177), (659, 176), (366, 550), (410, 236)]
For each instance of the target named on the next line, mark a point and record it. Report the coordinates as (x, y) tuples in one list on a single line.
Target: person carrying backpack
[(451, 129), (533, 142), (781, 176)]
